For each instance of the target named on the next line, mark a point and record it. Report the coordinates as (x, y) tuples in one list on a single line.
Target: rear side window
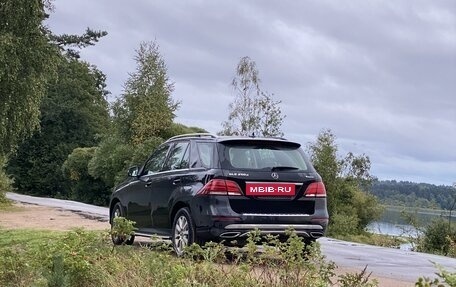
[(206, 153), (262, 156)]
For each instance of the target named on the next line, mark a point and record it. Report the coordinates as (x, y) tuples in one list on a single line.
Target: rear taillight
[(220, 187), (316, 189)]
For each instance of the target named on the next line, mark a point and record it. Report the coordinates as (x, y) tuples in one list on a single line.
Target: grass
[(4, 202), (86, 258), (26, 237)]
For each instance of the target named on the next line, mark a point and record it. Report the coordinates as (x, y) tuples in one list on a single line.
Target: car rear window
[(264, 155)]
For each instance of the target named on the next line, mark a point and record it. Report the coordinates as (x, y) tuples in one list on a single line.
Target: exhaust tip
[(230, 235), (316, 234)]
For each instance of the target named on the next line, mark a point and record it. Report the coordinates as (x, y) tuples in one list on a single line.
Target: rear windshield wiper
[(284, 168)]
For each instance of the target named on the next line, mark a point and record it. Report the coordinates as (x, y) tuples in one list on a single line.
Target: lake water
[(393, 223)]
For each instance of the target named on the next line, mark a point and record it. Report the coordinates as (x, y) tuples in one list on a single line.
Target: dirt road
[(41, 217)]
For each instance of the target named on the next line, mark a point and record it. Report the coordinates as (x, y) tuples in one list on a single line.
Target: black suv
[(201, 187)]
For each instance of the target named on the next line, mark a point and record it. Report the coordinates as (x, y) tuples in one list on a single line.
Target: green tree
[(177, 129), (27, 59), (73, 113), (253, 112), (142, 119), (146, 108), (347, 181), (5, 182), (410, 194)]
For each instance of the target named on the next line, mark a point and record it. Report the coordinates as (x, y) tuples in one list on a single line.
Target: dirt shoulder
[(22, 215), (31, 216)]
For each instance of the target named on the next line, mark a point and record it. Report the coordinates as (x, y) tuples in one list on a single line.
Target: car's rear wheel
[(117, 211), (183, 233)]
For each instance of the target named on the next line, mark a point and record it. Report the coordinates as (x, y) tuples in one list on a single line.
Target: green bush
[(343, 224), (112, 158), (357, 279), (122, 228), (83, 187), (445, 279), (81, 251), (438, 237)]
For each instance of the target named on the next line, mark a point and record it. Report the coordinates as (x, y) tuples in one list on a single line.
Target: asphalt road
[(381, 261)]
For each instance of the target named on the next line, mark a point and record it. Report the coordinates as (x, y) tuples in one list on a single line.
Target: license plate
[(270, 189)]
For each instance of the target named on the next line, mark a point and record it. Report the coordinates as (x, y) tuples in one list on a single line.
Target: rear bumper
[(240, 230), (215, 220)]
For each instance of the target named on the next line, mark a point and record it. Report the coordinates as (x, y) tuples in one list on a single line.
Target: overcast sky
[(380, 74)]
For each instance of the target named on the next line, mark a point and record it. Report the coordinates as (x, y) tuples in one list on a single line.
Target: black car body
[(200, 187)]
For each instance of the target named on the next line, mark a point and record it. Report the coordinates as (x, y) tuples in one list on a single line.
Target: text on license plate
[(270, 189)]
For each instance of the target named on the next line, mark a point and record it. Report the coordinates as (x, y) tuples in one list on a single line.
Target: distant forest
[(410, 194)]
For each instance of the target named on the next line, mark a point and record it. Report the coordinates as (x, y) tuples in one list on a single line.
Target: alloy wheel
[(181, 232)]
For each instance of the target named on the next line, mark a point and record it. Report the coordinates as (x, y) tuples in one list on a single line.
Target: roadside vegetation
[(348, 181), (437, 236), (83, 258), (88, 258)]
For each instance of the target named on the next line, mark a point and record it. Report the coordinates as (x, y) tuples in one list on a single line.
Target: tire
[(119, 240), (183, 233)]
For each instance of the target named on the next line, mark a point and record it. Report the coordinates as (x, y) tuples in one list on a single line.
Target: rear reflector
[(316, 189), (220, 187)]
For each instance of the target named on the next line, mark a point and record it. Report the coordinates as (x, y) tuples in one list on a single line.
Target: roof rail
[(193, 135)]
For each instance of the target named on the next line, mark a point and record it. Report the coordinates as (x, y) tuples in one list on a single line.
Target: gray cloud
[(380, 74)]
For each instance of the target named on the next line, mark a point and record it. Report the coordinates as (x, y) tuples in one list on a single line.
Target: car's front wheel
[(183, 233), (117, 239)]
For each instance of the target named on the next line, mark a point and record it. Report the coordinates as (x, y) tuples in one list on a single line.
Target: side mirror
[(133, 171)]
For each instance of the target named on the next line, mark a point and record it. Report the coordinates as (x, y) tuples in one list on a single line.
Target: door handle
[(176, 181), (148, 183)]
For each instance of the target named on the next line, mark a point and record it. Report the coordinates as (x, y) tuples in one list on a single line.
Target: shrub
[(360, 279), (109, 160), (81, 251), (445, 279), (438, 237), (122, 228), (343, 224), (83, 187), (112, 158)]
